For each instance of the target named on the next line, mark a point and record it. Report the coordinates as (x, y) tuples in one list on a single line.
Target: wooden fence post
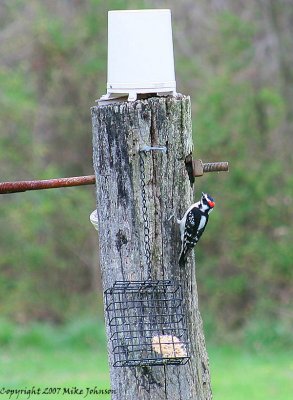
[(119, 130)]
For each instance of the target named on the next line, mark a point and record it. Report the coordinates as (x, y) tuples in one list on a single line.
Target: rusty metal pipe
[(23, 186), (198, 169)]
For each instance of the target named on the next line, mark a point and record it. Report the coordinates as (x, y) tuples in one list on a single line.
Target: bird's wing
[(203, 223)]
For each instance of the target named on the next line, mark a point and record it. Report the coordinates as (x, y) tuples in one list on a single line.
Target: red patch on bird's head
[(211, 203)]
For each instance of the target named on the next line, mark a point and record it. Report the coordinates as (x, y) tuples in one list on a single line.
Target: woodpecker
[(193, 224)]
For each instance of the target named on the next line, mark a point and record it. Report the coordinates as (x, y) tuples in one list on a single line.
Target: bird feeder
[(140, 54), (147, 323)]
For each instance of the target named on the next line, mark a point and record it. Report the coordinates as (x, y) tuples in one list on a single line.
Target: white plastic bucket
[(140, 53)]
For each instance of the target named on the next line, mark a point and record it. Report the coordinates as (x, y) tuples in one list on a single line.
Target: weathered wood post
[(120, 129)]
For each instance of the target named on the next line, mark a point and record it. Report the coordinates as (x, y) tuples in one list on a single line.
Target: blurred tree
[(53, 54), (235, 60)]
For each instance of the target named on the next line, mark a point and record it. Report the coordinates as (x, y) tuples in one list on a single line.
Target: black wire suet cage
[(147, 323)]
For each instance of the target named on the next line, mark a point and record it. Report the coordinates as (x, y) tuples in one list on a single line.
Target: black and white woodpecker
[(193, 224)]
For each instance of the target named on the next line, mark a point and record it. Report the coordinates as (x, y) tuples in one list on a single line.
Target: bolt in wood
[(216, 166)]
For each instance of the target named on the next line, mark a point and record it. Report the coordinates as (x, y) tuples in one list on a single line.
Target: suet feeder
[(147, 323)]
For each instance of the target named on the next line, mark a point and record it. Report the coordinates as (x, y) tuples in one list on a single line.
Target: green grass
[(239, 374), (58, 368), (75, 356), (54, 357)]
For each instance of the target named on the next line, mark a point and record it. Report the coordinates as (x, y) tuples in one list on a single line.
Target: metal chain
[(147, 246)]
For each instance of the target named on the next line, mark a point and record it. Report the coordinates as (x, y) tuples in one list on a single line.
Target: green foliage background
[(53, 67)]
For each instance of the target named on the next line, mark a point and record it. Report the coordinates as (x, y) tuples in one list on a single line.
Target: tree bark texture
[(119, 130)]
